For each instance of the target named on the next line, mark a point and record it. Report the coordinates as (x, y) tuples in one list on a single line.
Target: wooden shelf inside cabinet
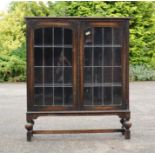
[(76, 65)]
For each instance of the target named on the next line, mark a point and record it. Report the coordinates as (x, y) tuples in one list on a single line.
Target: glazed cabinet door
[(103, 65), (53, 75)]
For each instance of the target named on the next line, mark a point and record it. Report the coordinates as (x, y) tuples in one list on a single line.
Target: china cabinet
[(76, 67)]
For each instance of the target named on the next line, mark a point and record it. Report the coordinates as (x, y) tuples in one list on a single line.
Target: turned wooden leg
[(127, 126), (122, 122), (32, 122), (29, 127), (29, 136)]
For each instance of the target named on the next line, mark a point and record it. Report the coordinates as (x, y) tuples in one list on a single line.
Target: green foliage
[(152, 62), (142, 27), (57, 9), (12, 66), (12, 30), (12, 39), (141, 73)]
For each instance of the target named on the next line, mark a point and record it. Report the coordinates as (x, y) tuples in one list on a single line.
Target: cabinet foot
[(29, 128), (126, 125), (127, 133), (122, 122), (29, 136)]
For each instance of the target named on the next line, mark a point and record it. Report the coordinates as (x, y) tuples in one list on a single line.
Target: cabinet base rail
[(77, 131), (124, 120), (124, 132)]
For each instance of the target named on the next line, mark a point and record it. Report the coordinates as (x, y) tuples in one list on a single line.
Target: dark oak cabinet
[(77, 66)]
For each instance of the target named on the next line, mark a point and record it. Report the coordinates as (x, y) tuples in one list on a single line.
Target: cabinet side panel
[(29, 42), (125, 63)]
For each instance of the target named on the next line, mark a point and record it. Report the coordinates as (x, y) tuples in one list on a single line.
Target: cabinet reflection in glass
[(88, 36), (58, 75), (62, 57), (62, 75)]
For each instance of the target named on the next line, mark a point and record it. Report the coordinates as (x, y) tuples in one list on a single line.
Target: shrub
[(13, 65), (12, 31), (141, 73), (142, 27)]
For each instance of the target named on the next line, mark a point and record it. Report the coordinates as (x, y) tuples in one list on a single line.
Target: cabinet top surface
[(81, 18)]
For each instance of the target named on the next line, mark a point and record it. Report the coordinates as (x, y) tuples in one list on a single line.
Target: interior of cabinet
[(53, 66), (102, 66)]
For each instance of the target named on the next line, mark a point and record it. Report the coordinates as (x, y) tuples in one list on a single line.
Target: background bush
[(141, 73), (142, 32)]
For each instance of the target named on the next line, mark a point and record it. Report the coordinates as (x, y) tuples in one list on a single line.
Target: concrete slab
[(13, 133)]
